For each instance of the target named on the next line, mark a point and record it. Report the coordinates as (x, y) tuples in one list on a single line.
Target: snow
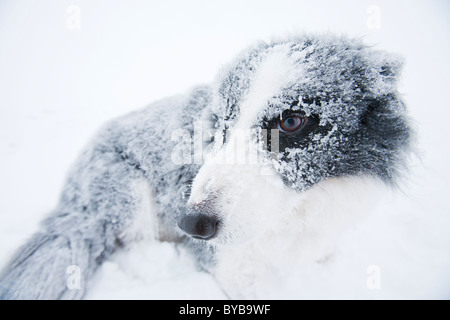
[(153, 271), (59, 85)]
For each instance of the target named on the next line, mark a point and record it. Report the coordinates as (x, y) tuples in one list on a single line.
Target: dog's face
[(288, 117)]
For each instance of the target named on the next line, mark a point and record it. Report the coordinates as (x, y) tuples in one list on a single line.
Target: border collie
[(267, 166)]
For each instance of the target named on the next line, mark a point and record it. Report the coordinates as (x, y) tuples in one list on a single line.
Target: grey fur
[(97, 202), (358, 96)]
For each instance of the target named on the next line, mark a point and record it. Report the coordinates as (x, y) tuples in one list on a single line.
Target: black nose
[(199, 225)]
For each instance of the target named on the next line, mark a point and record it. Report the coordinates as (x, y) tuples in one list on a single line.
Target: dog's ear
[(389, 66), (384, 70)]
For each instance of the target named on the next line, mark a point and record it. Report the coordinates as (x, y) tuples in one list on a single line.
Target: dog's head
[(288, 117)]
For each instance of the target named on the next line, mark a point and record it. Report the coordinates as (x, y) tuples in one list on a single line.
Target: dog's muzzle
[(199, 225)]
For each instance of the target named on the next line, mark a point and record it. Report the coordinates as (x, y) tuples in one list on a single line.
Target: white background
[(58, 84)]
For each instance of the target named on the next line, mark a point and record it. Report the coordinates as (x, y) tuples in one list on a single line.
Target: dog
[(267, 166)]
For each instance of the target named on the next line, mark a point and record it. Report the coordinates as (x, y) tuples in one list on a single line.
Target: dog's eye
[(291, 123)]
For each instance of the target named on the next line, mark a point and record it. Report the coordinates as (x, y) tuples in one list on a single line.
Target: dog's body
[(301, 131)]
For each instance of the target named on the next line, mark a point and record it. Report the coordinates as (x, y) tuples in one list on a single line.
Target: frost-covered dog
[(263, 168)]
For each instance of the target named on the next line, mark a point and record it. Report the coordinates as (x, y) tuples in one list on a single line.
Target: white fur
[(275, 72), (266, 225), (145, 224), (304, 233)]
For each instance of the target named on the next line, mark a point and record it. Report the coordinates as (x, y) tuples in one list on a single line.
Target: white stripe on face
[(276, 71), (219, 174)]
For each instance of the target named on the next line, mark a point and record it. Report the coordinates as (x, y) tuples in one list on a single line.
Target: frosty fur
[(288, 207)]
